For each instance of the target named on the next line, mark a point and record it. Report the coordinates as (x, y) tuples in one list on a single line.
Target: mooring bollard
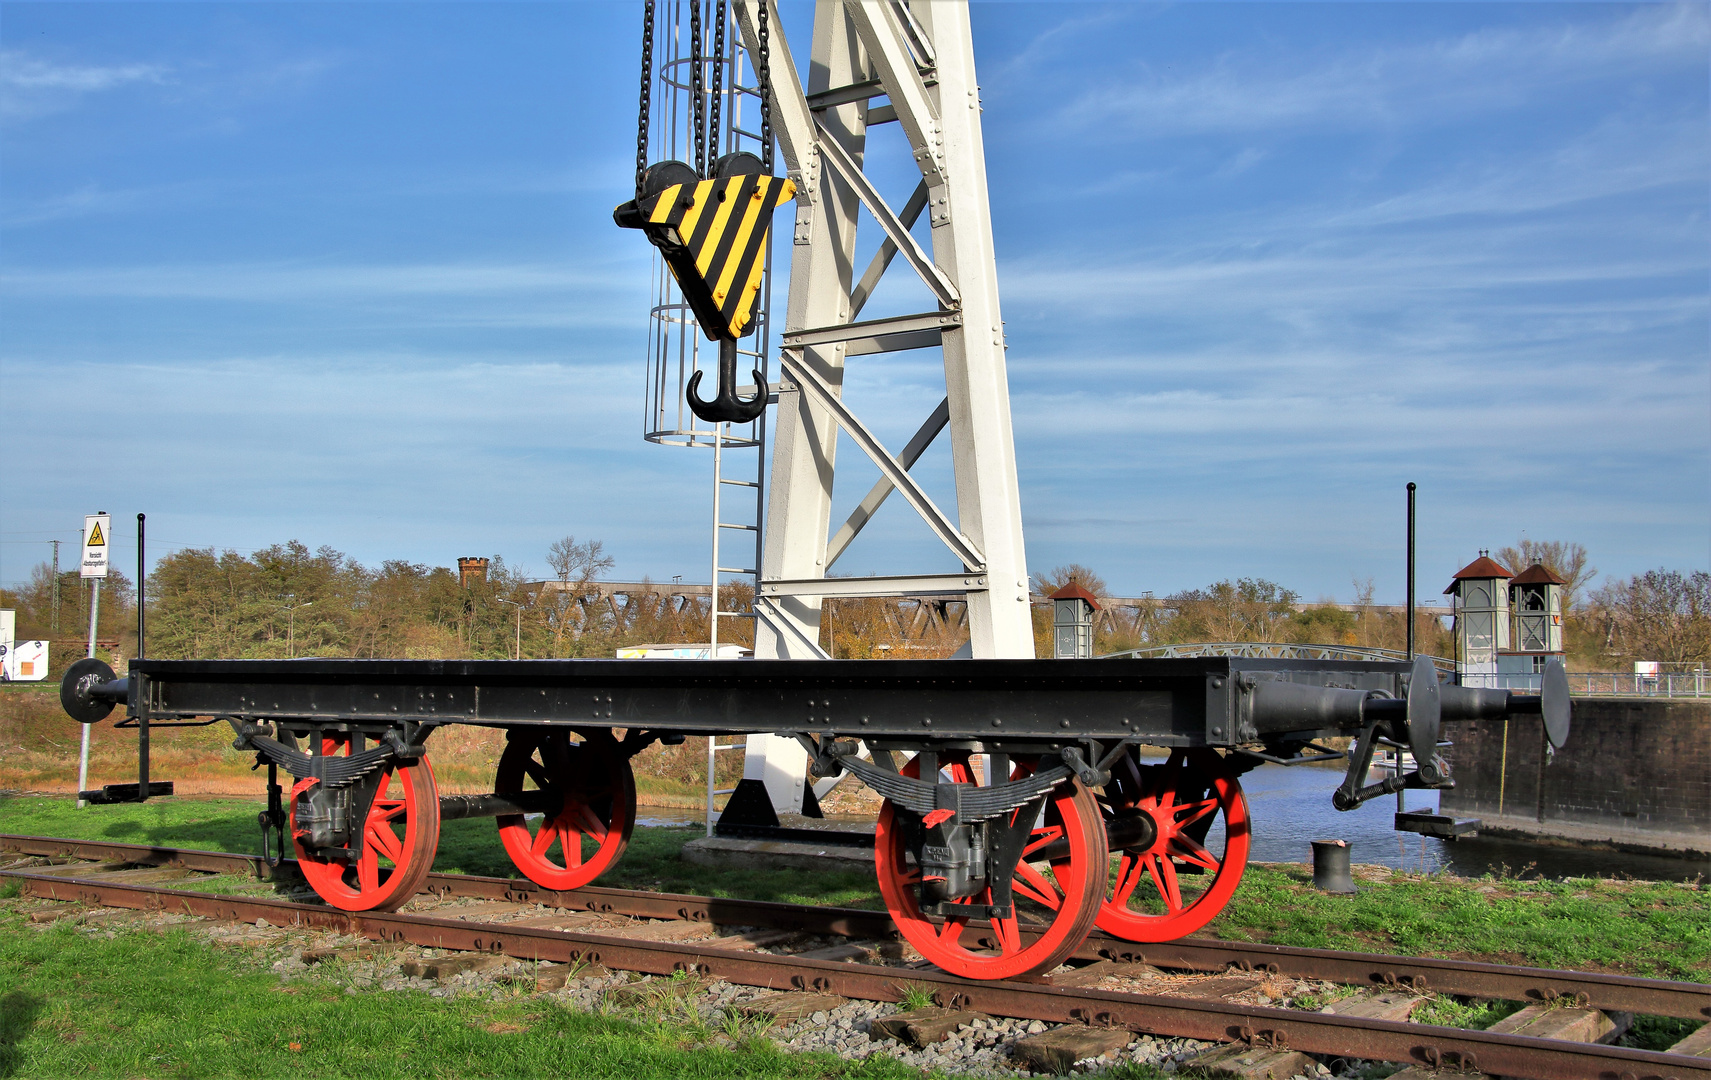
[(1331, 866)]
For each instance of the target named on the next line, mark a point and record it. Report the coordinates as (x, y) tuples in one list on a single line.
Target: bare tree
[(1562, 558), (1659, 615), (577, 566)]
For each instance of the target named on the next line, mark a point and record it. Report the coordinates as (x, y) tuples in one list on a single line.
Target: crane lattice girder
[(922, 63)]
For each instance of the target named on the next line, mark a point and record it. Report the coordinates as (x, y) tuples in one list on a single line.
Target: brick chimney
[(471, 569)]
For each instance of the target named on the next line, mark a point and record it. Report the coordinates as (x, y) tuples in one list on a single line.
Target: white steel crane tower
[(884, 69), (877, 64)]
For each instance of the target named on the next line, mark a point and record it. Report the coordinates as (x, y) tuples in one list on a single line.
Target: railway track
[(682, 933)]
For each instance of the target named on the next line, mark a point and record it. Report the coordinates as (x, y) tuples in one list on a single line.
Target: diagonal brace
[(782, 624), (809, 379), (887, 251), (883, 487), (844, 165)]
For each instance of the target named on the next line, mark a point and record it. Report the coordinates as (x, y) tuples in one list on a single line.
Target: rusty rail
[(1619, 993), (1216, 1021)]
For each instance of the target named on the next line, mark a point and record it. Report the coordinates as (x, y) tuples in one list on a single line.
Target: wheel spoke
[(1033, 884), (571, 842), (952, 930), (591, 824), (1173, 895), (387, 810), (537, 772), (1009, 935), (544, 839), (1128, 876), (1190, 850), (384, 841), (1042, 837), (1154, 864), (368, 870), (1188, 813)]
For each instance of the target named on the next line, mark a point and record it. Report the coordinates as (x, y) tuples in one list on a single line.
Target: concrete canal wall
[(1635, 775)]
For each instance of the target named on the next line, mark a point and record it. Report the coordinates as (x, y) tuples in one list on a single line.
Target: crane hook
[(726, 405)]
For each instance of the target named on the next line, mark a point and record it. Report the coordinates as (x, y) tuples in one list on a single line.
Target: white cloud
[(1429, 82), (31, 87), (288, 281)]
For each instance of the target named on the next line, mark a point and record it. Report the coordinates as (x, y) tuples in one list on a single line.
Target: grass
[(1655, 929), (466, 847), (916, 996), (187, 1008), (172, 1005)]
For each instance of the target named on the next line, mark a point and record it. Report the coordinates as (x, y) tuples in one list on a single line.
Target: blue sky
[(347, 273)]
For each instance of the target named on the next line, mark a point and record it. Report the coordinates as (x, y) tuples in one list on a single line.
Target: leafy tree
[(1323, 626), (1247, 609), (1659, 615)]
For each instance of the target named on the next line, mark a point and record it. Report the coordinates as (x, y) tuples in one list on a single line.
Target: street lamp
[(519, 608), (291, 627)]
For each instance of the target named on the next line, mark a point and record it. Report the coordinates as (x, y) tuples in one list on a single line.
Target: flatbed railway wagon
[(1018, 813)]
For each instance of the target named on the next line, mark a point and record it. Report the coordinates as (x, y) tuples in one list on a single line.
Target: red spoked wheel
[(1055, 902), (589, 833), (399, 837), (1172, 880)]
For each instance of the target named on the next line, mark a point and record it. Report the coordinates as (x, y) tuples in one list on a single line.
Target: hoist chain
[(718, 79), (763, 76), (695, 91), (647, 95), (707, 128)]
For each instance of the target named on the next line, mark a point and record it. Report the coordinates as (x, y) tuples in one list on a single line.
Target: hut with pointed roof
[(1480, 595)]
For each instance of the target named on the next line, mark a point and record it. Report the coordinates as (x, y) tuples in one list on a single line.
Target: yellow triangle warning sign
[(96, 539)]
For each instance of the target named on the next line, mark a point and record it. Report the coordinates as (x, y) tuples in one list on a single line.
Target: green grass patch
[(466, 847), (77, 1003), (1655, 929), (1447, 1011)]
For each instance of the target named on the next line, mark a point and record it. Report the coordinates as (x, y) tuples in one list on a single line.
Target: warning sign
[(96, 528)]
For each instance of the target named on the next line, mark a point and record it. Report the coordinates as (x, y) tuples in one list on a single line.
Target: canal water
[(1291, 807)]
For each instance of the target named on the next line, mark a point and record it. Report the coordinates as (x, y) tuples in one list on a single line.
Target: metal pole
[(713, 609), (142, 607), (1410, 571), (55, 620), (83, 754), (711, 739), (1410, 616), (142, 707)]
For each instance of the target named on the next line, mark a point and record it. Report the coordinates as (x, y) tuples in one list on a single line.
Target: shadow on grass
[(18, 1012)]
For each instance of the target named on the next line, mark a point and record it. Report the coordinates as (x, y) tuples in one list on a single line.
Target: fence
[(1667, 684)]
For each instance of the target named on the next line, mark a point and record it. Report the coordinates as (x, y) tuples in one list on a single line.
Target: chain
[(695, 88), (647, 95), (763, 76), (718, 78)]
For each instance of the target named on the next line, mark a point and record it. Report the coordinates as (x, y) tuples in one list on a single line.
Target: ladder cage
[(676, 347)]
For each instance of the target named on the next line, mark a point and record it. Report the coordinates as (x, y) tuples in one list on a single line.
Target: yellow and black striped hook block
[(712, 234)]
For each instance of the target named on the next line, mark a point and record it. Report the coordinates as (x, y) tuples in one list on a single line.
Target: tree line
[(287, 600)]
